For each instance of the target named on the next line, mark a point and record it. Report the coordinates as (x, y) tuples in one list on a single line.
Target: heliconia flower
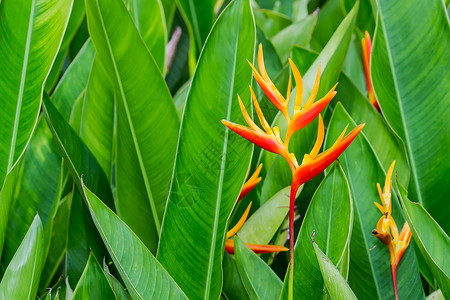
[(269, 139), (229, 243), (313, 163), (387, 231), (306, 114), (367, 51), (251, 183)]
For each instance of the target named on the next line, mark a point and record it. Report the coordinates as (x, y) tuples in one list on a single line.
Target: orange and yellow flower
[(270, 139), (367, 51), (387, 231)]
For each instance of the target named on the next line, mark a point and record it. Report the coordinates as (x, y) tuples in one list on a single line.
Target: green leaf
[(303, 58), (431, 239), (37, 190), (75, 20), (31, 32), (258, 278), (298, 33), (21, 278), (370, 272), (148, 16), (147, 122), (212, 161), (386, 144), (118, 288), (330, 215), (233, 287), (97, 117), (330, 16), (76, 154), (264, 223), (142, 274), (337, 286), (412, 84), (74, 81), (93, 283)]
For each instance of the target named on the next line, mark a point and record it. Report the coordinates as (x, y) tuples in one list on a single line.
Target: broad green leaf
[(387, 145), (370, 272), (77, 156), (148, 16), (37, 190), (412, 84), (271, 22), (147, 122), (31, 32), (74, 81), (142, 274), (75, 20), (337, 286), (264, 223), (93, 283), (330, 215), (212, 161), (431, 239), (233, 287), (366, 20), (298, 33), (118, 288), (6, 199), (180, 98), (97, 117), (258, 278), (21, 278), (353, 64)]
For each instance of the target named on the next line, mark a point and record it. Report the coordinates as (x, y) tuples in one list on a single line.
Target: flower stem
[(394, 279)]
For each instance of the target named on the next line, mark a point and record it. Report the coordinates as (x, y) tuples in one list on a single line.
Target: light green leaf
[(147, 122), (433, 242), (74, 81), (148, 16), (233, 287), (31, 32), (298, 33), (93, 283), (142, 274), (21, 278), (412, 84), (370, 272), (258, 278), (212, 161), (264, 223), (337, 286)]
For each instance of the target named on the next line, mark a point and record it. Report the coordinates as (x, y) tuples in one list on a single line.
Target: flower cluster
[(304, 113), (387, 231)]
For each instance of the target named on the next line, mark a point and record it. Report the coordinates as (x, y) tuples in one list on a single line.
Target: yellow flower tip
[(313, 95), (380, 207), (319, 139), (240, 223)]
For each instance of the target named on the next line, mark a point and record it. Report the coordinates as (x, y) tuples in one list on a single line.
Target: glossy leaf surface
[(259, 280), (145, 145), (93, 283), (212, 161), (21, 278), (142, 274), (336, 284), (31, 32)]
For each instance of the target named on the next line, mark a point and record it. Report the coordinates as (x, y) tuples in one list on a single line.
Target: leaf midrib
[(221, 177), (21, 87), (130, 123)]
